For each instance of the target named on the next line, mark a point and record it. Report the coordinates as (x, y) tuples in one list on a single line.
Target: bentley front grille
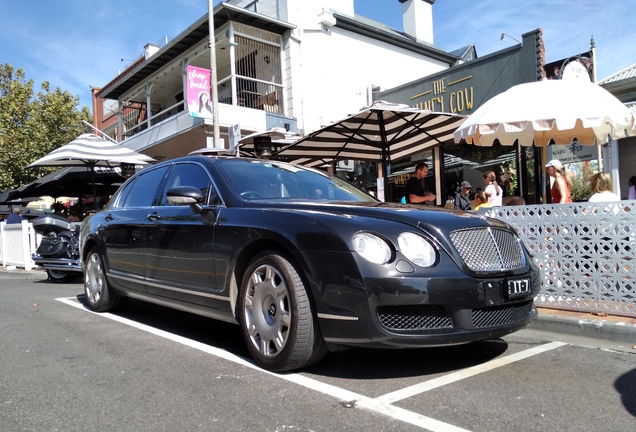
[(501, 315), (414, 319), (489, 249)]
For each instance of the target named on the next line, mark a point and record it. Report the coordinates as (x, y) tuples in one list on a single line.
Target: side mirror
[(184, 195), (193, 197)]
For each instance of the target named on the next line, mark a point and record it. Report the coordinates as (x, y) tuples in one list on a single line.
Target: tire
[(276, 317), (61, 276), (99, 295)]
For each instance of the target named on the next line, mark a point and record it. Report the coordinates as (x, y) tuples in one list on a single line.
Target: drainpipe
[(120, 120), (232, 44), (184, 81), (148, 100)]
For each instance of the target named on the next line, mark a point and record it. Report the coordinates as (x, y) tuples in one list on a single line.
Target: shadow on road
[(626, 386), (354, 363)]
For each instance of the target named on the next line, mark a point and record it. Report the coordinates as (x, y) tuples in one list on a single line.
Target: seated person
[(462, 197), (74, 217), (482, 200), (515, 201)]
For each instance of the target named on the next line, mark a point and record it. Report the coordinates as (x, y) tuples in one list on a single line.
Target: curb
[(20, 271), (608, 330)]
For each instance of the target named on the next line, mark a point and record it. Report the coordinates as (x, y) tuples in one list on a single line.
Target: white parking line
[(466, 373), (379, 405)]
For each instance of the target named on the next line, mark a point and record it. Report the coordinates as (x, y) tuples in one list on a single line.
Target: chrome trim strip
[(337, 317), (166, 287)]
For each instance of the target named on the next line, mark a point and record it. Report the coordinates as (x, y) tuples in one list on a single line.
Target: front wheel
[(61, 276), (276, 317), (99, 295)]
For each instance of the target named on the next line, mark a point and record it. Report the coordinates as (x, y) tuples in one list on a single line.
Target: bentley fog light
[(416, 249), (372, 248)]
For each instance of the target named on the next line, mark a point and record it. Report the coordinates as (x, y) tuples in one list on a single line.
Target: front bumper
[(438, 306)]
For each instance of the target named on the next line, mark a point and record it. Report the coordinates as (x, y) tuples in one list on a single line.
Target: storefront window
[(403, 169), (464, 162)]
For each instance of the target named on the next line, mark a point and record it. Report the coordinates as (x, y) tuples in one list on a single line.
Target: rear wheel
[(60, 276), (99, 295), (276, 317)]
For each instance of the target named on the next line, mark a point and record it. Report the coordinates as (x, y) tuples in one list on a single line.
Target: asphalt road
[(147, 368)]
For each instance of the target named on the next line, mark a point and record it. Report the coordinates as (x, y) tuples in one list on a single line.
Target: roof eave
[(351, 24), (223, 13)]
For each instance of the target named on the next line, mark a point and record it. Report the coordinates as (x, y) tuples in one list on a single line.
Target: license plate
[(518, 287)]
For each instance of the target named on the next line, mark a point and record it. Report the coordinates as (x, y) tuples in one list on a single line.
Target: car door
[(123, 229), (179, 252)]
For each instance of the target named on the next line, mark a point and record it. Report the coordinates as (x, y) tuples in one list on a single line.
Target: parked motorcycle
[(58, 251)]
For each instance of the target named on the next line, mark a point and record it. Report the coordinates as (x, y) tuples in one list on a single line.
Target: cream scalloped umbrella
[(538, 112)]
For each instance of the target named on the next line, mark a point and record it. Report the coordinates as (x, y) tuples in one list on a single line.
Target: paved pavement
[(578, 324)]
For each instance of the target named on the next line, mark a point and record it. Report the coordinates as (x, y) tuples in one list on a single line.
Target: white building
[(296, 64)]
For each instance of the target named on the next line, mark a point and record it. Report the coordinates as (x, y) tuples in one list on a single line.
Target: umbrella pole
[(94, 190)]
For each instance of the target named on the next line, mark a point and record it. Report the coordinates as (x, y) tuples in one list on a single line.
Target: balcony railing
[(250, 93)]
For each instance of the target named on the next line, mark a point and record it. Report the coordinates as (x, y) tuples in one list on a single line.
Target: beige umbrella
[(538, 112)]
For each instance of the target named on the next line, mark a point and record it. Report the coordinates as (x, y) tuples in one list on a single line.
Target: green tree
[(32, 125), (580, 174)]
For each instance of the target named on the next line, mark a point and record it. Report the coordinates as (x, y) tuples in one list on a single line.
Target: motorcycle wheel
[(60, 276)]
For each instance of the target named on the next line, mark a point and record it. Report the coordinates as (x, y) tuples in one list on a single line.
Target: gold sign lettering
[(461, 100), (439, 86), (458, 101)]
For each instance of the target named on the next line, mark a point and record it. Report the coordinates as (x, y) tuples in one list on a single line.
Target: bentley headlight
[(416, 249), (372, 248)]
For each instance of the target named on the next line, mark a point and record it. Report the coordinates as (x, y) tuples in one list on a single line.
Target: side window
[(144, 189), (123, 194), (188, 174)]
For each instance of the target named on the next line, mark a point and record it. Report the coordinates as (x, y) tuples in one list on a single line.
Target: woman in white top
[(492, 188), (601, 188)]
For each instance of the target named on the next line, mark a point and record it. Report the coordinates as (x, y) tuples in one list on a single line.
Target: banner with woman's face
[(198, 92)]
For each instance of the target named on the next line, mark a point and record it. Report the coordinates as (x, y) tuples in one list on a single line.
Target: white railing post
[(26, 249), (3, 243)]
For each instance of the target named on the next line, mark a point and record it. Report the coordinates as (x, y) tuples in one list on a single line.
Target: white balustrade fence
[(17, 243), (585, 250)]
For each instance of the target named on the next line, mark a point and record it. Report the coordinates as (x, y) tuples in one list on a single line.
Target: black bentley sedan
[(303, 261)]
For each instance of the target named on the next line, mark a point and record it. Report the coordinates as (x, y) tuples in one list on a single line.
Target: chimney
[(150, 49), (417, 18)]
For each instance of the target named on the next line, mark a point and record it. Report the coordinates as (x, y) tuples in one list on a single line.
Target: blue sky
[(75, 44)]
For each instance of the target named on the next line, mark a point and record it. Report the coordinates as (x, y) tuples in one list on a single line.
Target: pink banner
[(198, 92)]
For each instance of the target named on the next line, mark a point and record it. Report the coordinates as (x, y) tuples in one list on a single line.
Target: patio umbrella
[(7, 195), (91, 151), (538, 112), (382, 131), (75, 181)]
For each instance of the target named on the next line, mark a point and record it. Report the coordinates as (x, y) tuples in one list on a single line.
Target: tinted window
[(144, 189), (187, 175)]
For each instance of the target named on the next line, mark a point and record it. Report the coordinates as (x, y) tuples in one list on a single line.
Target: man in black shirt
[(415, 192), (462, 198)]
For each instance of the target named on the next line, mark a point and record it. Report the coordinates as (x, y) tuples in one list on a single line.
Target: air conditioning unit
[(345, 165)]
